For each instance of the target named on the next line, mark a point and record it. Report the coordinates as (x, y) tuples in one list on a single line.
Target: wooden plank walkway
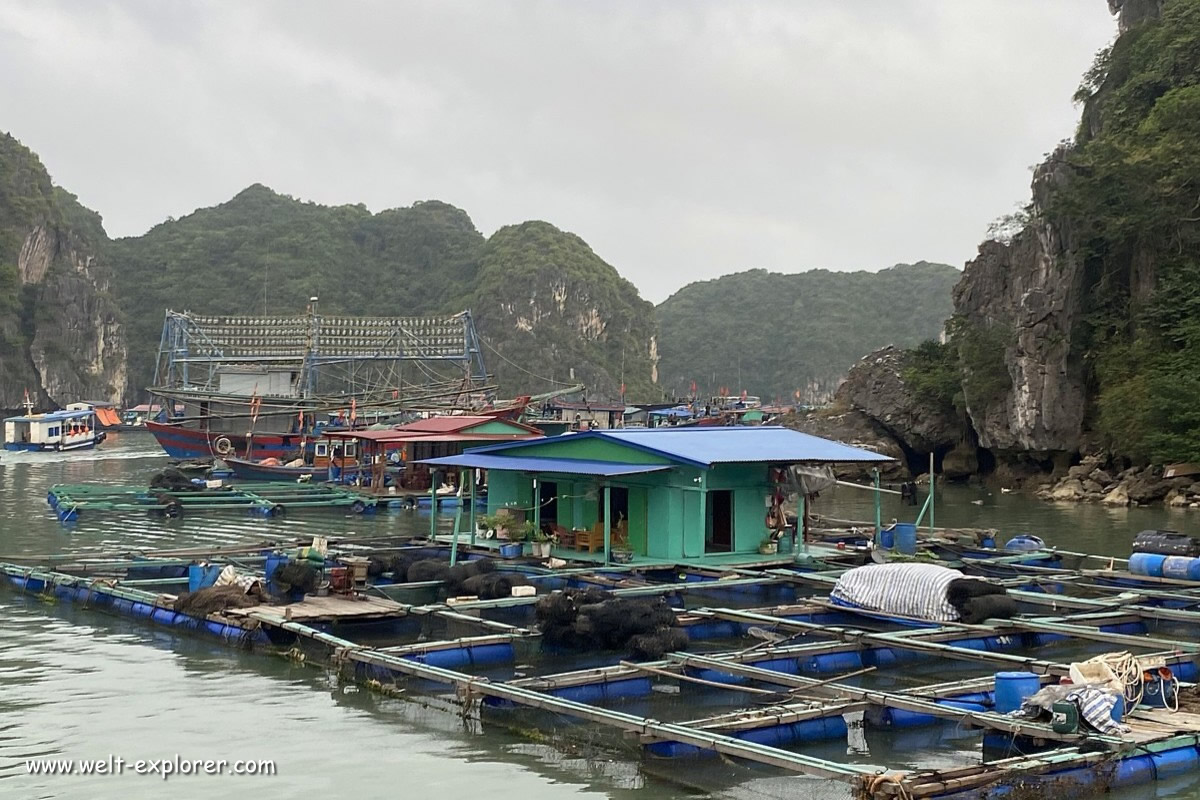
[(329, 608)]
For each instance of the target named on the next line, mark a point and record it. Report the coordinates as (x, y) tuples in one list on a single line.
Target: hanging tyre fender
[(358, 506), (223, 446)]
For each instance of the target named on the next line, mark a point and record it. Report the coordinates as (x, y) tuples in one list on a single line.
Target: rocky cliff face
[(875, 386), (559, 312), (61, 333), (1025, 296)]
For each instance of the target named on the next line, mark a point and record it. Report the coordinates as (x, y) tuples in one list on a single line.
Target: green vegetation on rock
[(931, 372), (569, 316), (774, 334), (1133, 206)]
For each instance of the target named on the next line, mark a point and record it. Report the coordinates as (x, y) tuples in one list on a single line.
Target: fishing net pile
[(977, 601), (477, 577), (397, 564), (214, 599), (922, 591), (592, 619), (296, 576), (172, 479)]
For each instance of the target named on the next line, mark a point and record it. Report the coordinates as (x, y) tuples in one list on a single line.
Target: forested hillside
[(263, 252), (551, 311), (773, 334), (546, 306)]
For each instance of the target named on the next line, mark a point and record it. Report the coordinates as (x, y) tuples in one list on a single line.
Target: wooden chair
[(590, 541), (562, 536)]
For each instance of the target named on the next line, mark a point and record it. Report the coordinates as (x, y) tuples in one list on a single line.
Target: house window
[(322, 449), (53, 432)]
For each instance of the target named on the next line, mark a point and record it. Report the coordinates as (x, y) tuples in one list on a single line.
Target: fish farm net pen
[(786, 704)]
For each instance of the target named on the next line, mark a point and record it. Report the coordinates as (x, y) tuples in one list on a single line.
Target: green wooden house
[(672, 493)]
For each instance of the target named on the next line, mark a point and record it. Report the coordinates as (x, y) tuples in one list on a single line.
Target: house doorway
[(547, 503), (719, 525)]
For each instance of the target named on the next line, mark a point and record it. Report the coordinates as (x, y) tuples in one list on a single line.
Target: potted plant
[(517, 534), (769, 546), (619, 544), (494, 526), (542, 542)]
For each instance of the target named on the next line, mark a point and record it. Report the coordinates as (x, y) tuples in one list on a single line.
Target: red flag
[(395, 394), (693, 387), (622, 390), (353, 410)]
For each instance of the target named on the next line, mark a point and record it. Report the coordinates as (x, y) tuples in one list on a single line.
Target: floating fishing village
[(664, 585), (775, 473)]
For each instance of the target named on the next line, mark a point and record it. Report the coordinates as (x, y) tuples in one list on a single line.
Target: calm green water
[(78, 684)]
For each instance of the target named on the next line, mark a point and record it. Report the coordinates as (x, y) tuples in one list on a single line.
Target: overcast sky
[(682, 140)]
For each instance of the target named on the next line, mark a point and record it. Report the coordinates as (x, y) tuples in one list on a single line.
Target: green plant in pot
[(619, 544), (542, 541)]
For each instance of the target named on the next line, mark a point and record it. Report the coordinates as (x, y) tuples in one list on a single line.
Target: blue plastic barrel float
[(274, 561), (1181, 568), (1012, 688), (1024, 543), (1148, 564), (906, 537), (201, 576)]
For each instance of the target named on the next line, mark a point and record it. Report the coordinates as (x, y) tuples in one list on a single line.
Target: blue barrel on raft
[(1024, 543), (1181, 568), (201, 576), (906, 537), (887, 538), (274, 561), (1012, 688), (1148, 564)]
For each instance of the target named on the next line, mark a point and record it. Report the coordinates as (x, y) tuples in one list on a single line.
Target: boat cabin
[(669, 494), (71, 429)]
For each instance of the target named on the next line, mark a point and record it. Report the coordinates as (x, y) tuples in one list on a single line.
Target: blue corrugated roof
[(568, 466), (739, 444), (704, 446)]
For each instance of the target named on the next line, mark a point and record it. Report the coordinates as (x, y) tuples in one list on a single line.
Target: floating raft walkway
[(774, 674), (263, 499)]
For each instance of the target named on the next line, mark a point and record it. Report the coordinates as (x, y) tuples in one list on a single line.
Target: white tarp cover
[(910, 590)]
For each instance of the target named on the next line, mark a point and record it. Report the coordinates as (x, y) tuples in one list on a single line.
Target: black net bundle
[(173, 479), (213, 599), (653, 646), (987, 606), (428, 569), (296, 576), (397, 564), (492, 585), (960, 590), (976, 601), (432, 569), (592, 619)]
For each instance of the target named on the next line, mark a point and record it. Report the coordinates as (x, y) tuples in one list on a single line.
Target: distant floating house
[(670, 493), (582, 415)]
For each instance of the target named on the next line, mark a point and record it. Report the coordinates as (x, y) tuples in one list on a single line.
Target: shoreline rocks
[(1091, 481)]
